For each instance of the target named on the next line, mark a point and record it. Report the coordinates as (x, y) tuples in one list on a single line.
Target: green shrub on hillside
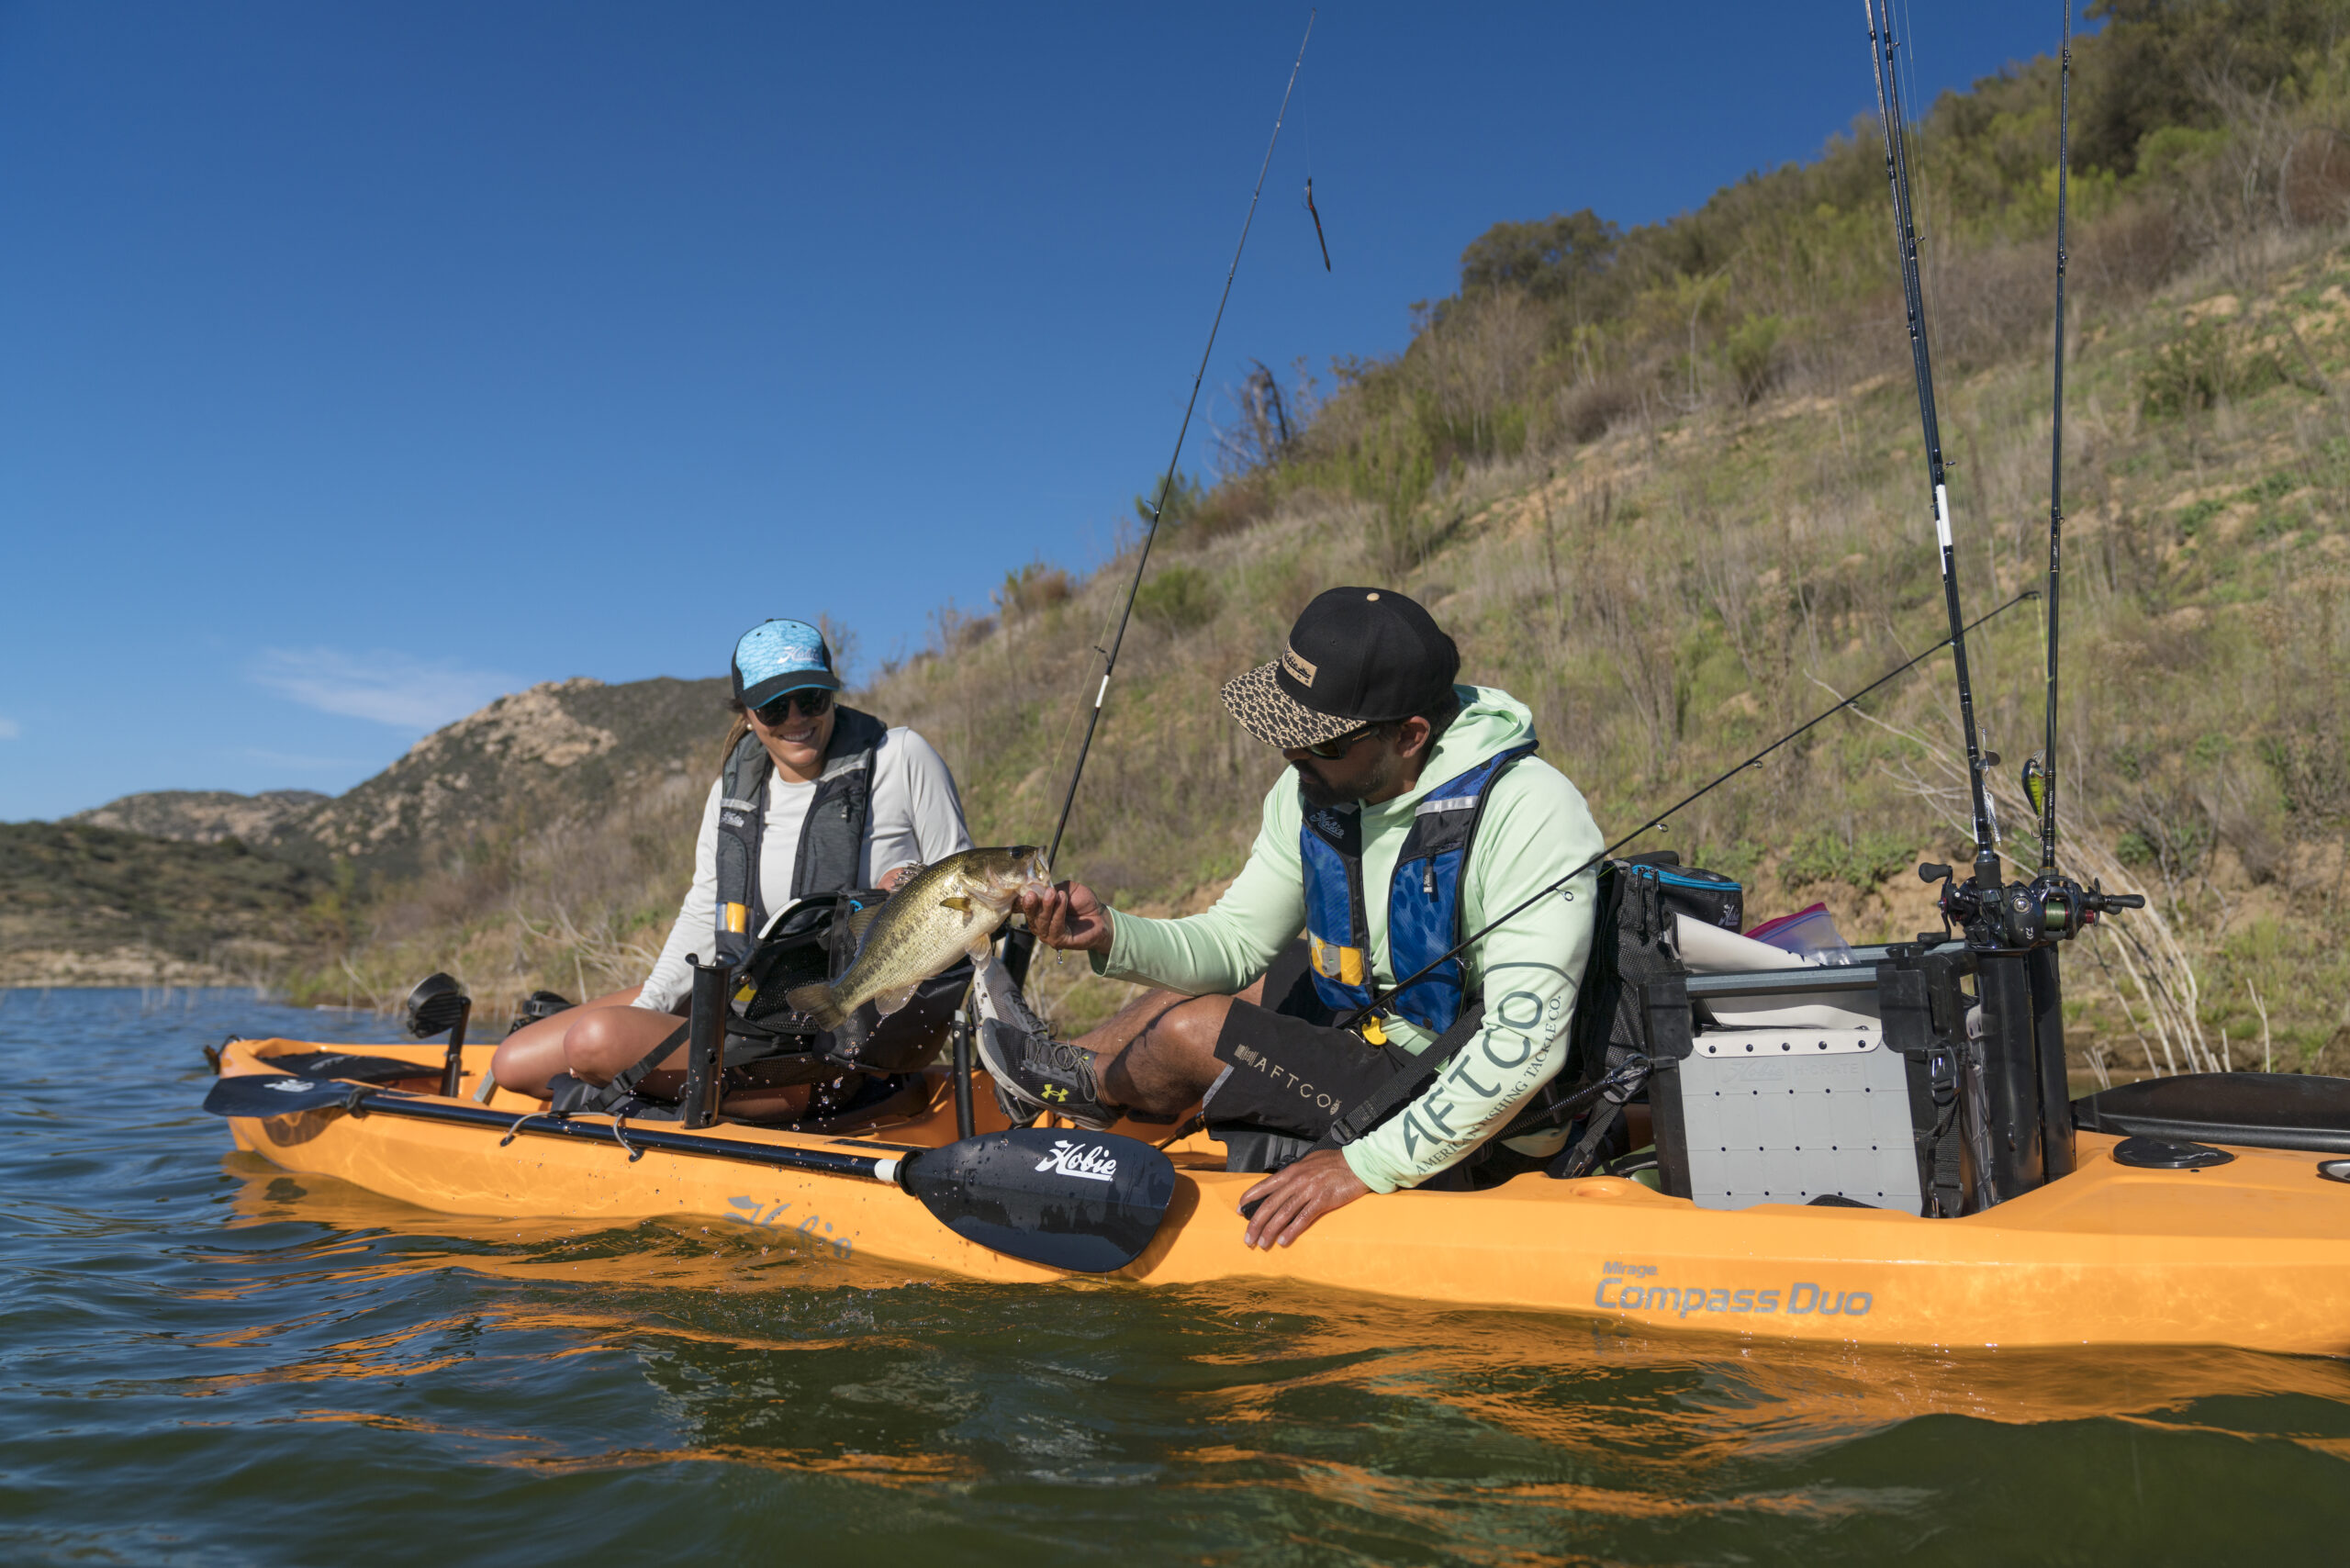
[(2205, 365), (1175, 598), (1861, 860)]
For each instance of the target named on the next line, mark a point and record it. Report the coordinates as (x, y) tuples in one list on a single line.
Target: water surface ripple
[(208, 1361)]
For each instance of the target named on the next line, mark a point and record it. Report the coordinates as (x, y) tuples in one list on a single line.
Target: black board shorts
[(1287, 1068)]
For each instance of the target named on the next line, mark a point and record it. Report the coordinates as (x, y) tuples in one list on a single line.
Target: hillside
[(567, 790), (492, 781), (86, 905)]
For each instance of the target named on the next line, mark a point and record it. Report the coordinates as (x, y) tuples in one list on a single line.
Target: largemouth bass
[(944, 912)]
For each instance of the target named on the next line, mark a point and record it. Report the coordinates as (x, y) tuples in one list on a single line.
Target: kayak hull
[(2255, 1253)]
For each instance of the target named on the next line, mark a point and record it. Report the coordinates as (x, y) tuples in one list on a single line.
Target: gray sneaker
[(1034, 1072)]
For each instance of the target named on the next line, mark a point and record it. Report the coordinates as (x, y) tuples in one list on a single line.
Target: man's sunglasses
[(814, 704), (1338, 747)]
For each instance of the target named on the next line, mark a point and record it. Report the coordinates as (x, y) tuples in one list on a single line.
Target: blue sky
[(361, 362)]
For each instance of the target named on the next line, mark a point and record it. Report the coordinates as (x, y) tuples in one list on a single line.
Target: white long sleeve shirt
[(915, 815)]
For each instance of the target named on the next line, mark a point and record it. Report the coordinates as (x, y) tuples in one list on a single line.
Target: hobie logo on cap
[(1296, 666)]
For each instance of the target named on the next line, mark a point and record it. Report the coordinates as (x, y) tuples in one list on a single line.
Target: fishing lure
[(1317, 223)]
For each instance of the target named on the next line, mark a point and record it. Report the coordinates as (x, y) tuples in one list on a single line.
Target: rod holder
[(453, 1064), (2057, 1153), (963, 1110), (705, 1043), (2011, 1074)]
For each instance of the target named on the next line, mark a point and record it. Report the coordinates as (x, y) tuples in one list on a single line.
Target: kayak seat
[(2255, 1110)]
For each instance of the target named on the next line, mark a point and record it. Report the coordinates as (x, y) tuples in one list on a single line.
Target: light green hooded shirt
[(1535, 828)]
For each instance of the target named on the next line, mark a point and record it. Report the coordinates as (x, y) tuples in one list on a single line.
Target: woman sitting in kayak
[(815, 797)]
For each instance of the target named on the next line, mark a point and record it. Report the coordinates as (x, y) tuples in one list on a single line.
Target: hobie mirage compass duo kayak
[(2249, 1249), (1883, 1152)]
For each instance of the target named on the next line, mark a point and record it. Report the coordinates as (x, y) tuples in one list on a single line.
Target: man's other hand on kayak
[(1069, 917), (1292, 1199)]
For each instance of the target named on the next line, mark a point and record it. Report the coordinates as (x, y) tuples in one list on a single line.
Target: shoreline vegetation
[(1665, 486)]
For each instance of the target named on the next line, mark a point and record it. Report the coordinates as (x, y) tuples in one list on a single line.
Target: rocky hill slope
[(555, 754), (207, 887), (208, 816)]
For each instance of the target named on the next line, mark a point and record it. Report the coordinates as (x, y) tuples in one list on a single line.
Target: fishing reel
[(2051, 908), (2047, 910)]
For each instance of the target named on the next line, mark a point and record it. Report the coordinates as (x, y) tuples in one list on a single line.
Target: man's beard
[(1317, 793), (1382, 779)]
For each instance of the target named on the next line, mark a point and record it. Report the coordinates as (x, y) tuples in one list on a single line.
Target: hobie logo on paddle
[(1090, 1161), (289, 1085)]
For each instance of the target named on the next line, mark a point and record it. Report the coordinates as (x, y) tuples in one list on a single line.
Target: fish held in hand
[(945, 913)]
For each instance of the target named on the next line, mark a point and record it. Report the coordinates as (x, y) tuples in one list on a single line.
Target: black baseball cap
[(1356, 657)]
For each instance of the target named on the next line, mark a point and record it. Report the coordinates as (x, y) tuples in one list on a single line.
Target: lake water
[(209, 1361)]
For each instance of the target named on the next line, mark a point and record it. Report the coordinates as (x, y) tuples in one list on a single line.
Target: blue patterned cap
[(777, 657)]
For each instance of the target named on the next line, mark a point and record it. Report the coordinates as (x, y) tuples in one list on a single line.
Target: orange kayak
[(2253, 1253)]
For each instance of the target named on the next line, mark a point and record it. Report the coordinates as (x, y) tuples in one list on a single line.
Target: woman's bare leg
[(526, 1058), (609, 1040), (599, 1038)]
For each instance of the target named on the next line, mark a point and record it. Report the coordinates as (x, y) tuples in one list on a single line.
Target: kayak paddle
[(1086, 1202)]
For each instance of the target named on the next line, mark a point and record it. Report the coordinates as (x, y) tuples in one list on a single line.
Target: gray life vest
[(832, 838)]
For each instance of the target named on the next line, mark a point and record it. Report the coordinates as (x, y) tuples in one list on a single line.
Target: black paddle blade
[(1086, 1202), (268, 1094)]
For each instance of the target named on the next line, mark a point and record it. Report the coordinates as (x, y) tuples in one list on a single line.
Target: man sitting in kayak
[(1416, 813), (814, 798)]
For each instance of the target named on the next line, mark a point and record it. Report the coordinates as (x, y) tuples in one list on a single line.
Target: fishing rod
[(1380, 998), (2040, 773), (1896, 173), (1165, 484)]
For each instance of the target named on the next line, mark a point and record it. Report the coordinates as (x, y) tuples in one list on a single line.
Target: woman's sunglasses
[(1338, 747), (813, 704)]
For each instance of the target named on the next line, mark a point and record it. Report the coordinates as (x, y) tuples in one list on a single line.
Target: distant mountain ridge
[(561, 751), (206, 886), (549, 752), (207, 816)]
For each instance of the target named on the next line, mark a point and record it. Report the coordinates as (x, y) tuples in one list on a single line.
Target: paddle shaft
[(882, 1168)]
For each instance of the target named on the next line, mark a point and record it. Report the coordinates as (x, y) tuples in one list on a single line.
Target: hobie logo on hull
[(1090, 1161)]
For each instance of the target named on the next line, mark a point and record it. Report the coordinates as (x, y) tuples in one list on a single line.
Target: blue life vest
[(1423, 897)]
